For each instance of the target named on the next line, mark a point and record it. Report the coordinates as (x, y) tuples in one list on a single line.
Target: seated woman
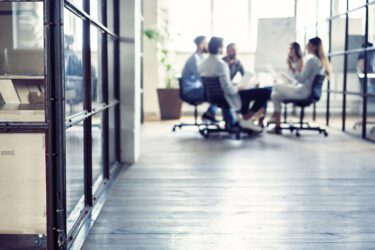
[(237, 99), (295, 62), (316, 63)]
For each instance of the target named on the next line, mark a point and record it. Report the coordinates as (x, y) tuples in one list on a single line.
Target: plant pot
[(169, 103)]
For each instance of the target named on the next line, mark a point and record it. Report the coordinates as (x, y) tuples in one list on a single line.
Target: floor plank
[(268, 192)]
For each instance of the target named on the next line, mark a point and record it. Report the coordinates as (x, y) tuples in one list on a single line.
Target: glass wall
[(347, 28), (56, 147)]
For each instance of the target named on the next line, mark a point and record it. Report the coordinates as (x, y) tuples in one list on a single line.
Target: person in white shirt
[(193, 85), (316, 63), (238, 100)]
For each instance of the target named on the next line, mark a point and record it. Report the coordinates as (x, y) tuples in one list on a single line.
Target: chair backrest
[(214, 92), (191, 92), (317, 88)]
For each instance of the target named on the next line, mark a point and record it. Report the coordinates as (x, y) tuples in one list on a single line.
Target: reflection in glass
[(111, 69), (95, 10), (21, 62), (97, 145), (74, 166), (73, 64), (370, 125), (96, 69), (371, 23), (356, 35), (337, 83), (112, 134), (354, 110)]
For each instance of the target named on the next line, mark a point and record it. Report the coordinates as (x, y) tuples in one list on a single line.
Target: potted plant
[(168, 96)]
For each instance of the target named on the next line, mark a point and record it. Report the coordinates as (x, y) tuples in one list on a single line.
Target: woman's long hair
[(319, 52), (297, 49)]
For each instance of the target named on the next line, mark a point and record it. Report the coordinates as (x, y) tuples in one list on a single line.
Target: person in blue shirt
[(193, 88)]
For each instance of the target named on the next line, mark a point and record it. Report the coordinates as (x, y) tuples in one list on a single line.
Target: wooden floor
[(269, 192)]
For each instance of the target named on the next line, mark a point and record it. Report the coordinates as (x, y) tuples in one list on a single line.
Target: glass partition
[(21, 62)]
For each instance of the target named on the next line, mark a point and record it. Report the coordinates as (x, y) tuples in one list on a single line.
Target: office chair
[(314, 97), (190, 99), (215, 95)]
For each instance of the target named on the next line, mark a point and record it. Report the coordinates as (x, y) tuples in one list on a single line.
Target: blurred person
[(235, 66), (238, 100), (316, 64), (191, 77), (295, 62)]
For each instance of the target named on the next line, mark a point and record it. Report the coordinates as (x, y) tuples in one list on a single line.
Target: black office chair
[(314, 97), (192, 101), (215, 95)]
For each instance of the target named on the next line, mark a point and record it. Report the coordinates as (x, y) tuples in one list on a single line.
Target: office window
[(338, 7), (74, 94), (27, 25), (356, 34), (232, 27), (22, 83), (356, 3), (338, 28), (323, 10), (96, 68), (187, 21), (371, 23), (236, 21), (97, 145)]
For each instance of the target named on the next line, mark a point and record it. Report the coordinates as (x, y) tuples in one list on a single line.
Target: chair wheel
[(238, 136), (204, 133), (174, 129), (325, 134), (298, 134)]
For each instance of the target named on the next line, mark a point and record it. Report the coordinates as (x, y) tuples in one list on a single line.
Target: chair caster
[(238, 136), (298, 134), (204, 133), (174, 129), (325, 133)]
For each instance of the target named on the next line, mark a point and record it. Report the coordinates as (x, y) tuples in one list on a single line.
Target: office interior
[(79, 117)]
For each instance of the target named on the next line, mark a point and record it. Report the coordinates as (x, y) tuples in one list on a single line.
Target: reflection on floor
[(267, 192), (74, 160)]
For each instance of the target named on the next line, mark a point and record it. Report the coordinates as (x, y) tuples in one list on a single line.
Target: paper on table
[(248, 81)]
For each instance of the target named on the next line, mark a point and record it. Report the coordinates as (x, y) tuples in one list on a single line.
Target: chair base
[(198, 125), (236, 132), (304, 126)]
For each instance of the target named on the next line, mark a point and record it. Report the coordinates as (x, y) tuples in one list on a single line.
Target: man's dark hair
[(230, 45), (198, 40), (214, 45)]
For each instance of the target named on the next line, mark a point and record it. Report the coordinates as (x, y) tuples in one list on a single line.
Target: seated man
[(238, 100), (235, 66), (190, 76)]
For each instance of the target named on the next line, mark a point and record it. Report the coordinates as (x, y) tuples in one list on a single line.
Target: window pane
[(357, 22), (78, 3), (338, 7), (336, 79), (371, 116), (111, 69), (338, 28), (110, 19), (73, 63), (233, 28), (355, 72), (74, 167), (323, 10), (323, 33), (95, 8), (112, 134), (21, 62), (97, 146), (354, 108), (356, 3), (96, 67), (184, 28), (371, 23)]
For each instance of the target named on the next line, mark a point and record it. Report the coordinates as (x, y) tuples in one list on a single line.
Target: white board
[(274, 38)]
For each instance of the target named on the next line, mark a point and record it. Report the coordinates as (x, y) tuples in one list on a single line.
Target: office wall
[(130, 48)]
